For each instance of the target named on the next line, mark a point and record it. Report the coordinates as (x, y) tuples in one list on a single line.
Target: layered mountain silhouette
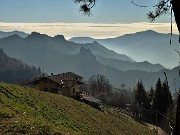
[(32, 49), (7, 34), (57, 55), (126, 65), (58, 43), (142, 46)]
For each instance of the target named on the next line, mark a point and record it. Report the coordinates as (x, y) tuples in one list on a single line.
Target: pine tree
[(157, 95), (167, 107), (167, 98), (141, 99), (150, 95), (140, 95), (157, 100)]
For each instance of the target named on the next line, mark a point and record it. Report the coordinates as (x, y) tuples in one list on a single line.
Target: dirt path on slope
[(160, 131)]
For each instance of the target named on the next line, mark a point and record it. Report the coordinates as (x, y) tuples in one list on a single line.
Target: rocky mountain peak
[(83, 51)]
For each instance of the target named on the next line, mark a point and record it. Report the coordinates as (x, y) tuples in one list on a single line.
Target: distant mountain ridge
[(86, 65), (126, 65), (57, 55), (127, 38), (58, 46), (142, 46), (83, 40), (7, 34)]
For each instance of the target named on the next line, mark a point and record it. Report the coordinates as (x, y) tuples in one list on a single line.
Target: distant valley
[(57, 55), (142, 46)]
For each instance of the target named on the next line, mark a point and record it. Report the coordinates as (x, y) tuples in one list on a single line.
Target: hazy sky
[(105, 11), (110, 18)]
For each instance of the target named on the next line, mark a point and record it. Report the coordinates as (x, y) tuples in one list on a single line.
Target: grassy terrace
[(28, 111)]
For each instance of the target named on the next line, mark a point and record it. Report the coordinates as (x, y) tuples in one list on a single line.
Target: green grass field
[(28, 111)]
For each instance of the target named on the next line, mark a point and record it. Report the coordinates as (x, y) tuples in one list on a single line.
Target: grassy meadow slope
[(28, 111)]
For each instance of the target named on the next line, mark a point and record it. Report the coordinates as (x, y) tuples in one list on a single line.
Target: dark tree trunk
[(176, 10), (177, 125)]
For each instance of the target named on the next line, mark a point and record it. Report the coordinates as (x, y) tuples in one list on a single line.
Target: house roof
[(37, 79), (65, 76), (68, 79)]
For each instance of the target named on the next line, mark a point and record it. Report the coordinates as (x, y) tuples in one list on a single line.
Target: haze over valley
[(88, 56)]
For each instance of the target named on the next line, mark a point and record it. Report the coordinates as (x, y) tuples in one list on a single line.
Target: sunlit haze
[(95, 30), (108, 19)]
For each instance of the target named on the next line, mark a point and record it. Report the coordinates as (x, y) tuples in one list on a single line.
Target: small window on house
[(46, 89)]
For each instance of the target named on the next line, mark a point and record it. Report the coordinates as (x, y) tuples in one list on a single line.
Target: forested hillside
[(15, 71)]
